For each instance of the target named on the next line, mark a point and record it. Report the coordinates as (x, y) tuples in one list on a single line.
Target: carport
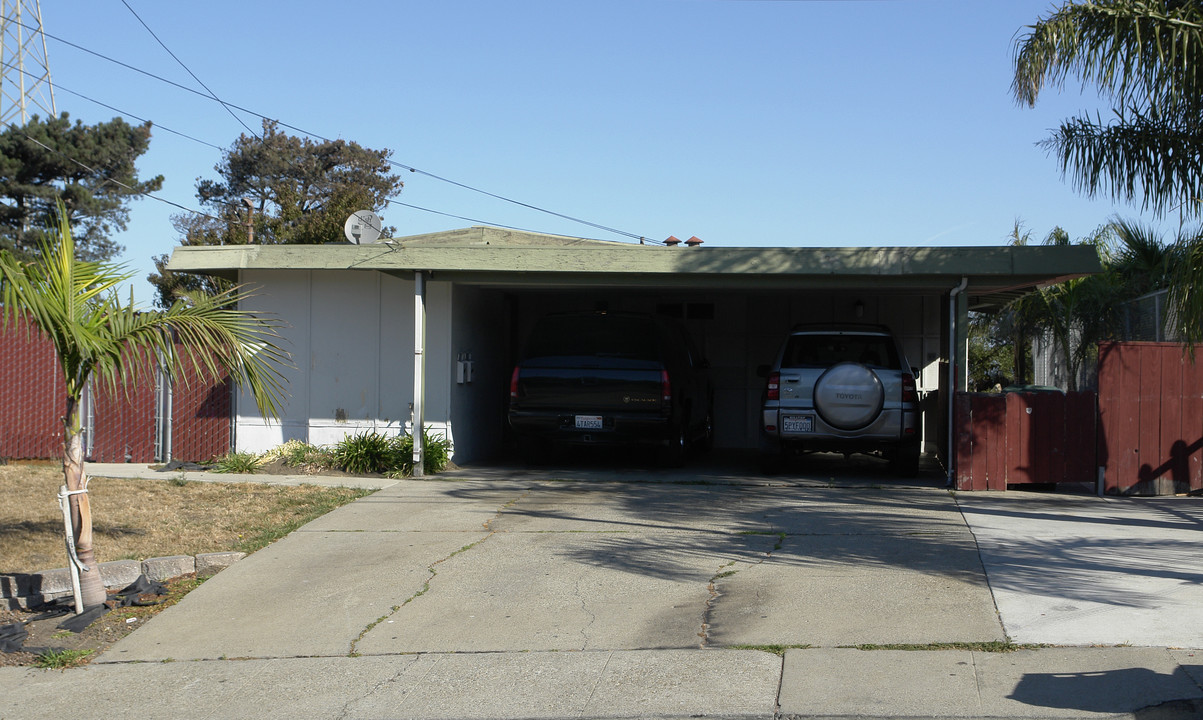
[(429, 326)]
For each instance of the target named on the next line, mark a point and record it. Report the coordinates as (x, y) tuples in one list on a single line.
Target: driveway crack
[(587, 611), (432, 569), (724, 571)]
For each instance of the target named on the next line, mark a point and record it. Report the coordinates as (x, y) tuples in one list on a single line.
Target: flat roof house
[(432, 324)]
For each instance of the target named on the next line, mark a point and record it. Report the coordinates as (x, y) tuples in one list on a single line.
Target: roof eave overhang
[(996, 274)]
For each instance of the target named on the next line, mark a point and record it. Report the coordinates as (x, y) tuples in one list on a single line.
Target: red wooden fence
[(1024, 438), (1151, 412), (1146, 430)]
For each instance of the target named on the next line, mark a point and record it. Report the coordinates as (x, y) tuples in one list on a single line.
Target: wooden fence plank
[(1170, 474), (1081, 436), (1149, 411), (1192, 419), (1019, 440), (1119, 410), (963, 412), (995, 411)]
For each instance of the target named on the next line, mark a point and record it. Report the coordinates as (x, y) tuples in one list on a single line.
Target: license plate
[(798, 423), (588, 422)]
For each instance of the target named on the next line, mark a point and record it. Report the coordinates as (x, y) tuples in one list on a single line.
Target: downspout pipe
[(952, 373)]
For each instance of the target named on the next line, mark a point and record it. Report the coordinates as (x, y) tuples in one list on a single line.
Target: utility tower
[(25, 86)]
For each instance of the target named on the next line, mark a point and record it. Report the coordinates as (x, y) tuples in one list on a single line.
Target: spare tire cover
[(849, 396)]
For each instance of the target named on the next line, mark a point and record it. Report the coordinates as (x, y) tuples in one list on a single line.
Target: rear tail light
[(773, 391), (909, 393), (514, 385), (666, 390)]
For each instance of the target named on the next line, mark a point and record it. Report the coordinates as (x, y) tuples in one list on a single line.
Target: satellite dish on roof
[(363, 227)]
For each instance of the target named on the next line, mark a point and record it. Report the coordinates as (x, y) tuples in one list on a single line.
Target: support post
[(419, 371), (958, 360)]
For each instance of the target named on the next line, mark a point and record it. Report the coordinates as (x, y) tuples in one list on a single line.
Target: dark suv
[(841, 388), (603, 378)]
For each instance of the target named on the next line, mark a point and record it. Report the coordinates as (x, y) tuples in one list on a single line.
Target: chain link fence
[(154, 421)]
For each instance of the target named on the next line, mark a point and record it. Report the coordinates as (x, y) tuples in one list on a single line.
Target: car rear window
[(632, 338), (823, 350)]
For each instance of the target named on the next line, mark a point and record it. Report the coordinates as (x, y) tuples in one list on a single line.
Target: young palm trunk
[(91, 584)]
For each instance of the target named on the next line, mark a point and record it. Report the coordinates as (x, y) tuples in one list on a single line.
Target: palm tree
[(74, 304), (1146, 57), (1076, 314)]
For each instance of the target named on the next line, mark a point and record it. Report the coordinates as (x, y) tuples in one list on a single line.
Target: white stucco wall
[(351, 336)]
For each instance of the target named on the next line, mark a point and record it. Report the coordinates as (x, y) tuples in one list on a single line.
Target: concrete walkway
[(604, 593)]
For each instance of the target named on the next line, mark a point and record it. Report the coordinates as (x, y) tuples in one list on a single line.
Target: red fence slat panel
[(33, 398), (1019, 440), (970, 474), (996, 452), (1170, 424), (1151, 405), (1081, 437), (201, 416), (981, 442), (1192, 420), (1148, 448), (124, 417), (1119, 411), (33, 395)]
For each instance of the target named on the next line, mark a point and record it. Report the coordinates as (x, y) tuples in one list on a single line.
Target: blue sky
[(744, 122)]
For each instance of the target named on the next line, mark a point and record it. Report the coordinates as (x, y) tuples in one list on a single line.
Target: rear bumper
[(891, 428), (629, 429)]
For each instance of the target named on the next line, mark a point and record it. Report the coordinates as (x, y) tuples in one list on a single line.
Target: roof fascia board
[(1020, 264)]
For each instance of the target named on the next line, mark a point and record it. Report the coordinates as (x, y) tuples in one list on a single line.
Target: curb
[(29, 590)]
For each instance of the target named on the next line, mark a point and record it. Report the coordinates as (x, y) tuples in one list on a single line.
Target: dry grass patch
[(145, 518)]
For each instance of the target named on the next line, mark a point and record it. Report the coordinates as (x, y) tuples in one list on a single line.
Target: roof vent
[(672, 241), (694, 241)]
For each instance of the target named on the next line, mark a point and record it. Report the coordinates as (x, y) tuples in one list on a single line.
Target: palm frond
[(1155, 162), (1143, 51), (74, 304)]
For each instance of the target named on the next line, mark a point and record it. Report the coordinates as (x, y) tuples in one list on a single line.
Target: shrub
[(436, 454), (298, 453), (238, 462), (368, 452)]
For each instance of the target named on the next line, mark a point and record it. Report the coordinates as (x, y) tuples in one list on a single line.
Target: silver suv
[(840, 388)]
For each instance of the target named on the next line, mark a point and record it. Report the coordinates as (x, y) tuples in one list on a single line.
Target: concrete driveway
[(619, 592), (541, 564), (1082, 570)]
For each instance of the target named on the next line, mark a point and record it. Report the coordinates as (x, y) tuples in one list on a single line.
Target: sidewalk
[(530, 597)]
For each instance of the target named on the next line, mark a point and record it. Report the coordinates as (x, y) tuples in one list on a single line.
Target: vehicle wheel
[(849, 396), (673, 455), (905, 460)]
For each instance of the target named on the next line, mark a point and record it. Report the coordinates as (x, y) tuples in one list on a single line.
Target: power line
[(433, 176), (126, 113), (189, 70)]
